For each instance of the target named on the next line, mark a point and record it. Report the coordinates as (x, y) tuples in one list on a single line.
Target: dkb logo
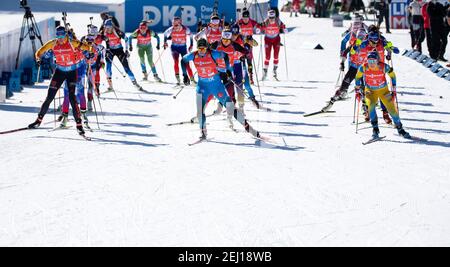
[(164, 17)]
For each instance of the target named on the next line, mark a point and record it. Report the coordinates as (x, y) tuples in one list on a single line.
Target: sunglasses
[(215, 21), (202, 49), (60, 36)]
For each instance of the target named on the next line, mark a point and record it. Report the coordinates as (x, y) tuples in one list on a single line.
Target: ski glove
[(38, 62), (342, 66), (190, 49), (131, 48), (157, 47), (388, 57), (165, 45)]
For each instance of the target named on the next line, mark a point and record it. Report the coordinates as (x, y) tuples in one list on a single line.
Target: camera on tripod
[(23, 3)]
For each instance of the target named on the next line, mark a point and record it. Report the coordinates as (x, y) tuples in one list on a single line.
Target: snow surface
[(138, 183)]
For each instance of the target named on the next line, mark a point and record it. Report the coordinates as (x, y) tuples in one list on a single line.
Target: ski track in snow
[(139, 183)]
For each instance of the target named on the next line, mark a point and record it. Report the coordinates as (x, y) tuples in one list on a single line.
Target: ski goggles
[(215, 21), (227, 35), (372, 61), (202, 49), (60, 35)]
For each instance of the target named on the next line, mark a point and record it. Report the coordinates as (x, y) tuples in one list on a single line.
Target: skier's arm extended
[(41, 51), (359, 76), (219, 54), (185, 60), (131, 37)]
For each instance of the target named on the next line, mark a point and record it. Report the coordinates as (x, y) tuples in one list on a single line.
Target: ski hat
[(227, 35), (246, 14), (374, 37), (90, 38), (361, 35), (176, 20), (373, 55), (271, 14), (235, 29), (215, 19), (108, 23), (60, 32), (143, 26), (202, 43), (93, 30)]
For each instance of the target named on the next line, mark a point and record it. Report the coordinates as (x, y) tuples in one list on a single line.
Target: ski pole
[(285, 55), (91, 75), (179, 91), (357, 115), (162, 66), (354, 109), (114, 64), (257, 81), (87, 86), (160, 55), (113, 90)]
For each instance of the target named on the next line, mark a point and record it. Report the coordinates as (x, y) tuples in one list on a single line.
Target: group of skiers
[(223, 62), (366, 50)]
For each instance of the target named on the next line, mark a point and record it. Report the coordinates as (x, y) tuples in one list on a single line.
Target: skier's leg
[(123, 59), (72, 83), (371, 99), (65, 104), (238, 79), (389, 102), (348, 79), (141, 53), (276, 53), (57, 79)]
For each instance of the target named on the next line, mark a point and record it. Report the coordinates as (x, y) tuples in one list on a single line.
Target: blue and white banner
[(162, 12), (398, 16)]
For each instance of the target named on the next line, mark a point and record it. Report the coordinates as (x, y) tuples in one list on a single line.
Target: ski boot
[(156, 77), (255, 102), (203, 134), (340, 94), (177, 76), (376, 130), (110, 85), (402, 131), (85, 119), (386, 117), (264, 77), (80, 129), (275, 75), (329, 105), (89, 105), (65, 119), (145, 76), (36, 123), (138, 86)]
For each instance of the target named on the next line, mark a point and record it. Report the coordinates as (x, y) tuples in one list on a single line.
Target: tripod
[(30, 29)]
